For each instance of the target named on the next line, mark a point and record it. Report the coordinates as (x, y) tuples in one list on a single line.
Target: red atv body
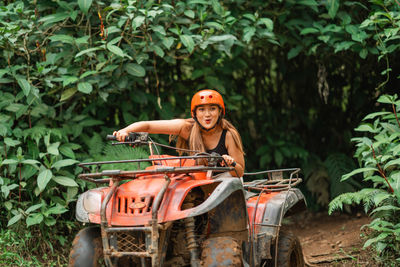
[(177, 213)]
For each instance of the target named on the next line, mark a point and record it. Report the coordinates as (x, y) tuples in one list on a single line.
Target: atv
[(183, 211)]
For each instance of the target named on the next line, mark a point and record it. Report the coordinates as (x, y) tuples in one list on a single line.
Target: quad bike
[(184, 211)]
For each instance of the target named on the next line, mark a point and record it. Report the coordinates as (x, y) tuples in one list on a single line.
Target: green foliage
[(119, 152), (378, 156), (323, 178), (338, 165), (25, 250), (295, 76)]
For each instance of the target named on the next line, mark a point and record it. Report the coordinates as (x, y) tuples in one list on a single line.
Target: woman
[(207, 131)]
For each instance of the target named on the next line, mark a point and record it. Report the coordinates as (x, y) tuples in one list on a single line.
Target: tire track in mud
[(331, 240)]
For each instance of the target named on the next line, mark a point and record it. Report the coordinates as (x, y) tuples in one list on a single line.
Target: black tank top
[(220, 148)]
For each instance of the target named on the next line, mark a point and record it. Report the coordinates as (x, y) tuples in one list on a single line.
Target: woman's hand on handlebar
[(229, 161), (121, 135)]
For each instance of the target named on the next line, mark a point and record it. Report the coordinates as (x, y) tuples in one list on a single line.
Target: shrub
[(378, 155)]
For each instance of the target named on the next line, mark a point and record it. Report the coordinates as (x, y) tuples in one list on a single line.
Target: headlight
[(92, 201)]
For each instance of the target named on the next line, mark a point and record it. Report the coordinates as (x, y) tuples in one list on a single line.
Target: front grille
[(134, 205), (131, 242)]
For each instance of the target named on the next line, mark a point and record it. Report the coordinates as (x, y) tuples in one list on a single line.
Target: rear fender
[(285, 203), (268, 216)]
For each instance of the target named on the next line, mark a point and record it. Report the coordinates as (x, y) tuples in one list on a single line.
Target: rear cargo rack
[(276, 180)]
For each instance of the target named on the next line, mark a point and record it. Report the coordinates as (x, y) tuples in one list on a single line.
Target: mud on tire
[(221, 251), (290, 253), (87, 248)]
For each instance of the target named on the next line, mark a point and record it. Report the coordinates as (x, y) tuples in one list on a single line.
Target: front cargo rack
[(161, 163)]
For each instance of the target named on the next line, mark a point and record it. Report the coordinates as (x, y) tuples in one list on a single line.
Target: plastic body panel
[(121, 212)]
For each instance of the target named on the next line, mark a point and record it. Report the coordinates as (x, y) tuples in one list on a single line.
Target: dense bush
[(296, 77), (378, 155)]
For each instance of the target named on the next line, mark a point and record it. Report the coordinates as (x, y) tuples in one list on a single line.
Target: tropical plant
[(378, 155), (296, 77)]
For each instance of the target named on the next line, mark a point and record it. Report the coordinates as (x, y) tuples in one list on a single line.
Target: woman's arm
[(235, 155), (175, 127)]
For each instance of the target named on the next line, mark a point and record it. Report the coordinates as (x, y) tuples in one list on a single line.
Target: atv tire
[(290, 253), (220, 252), (87, 248)]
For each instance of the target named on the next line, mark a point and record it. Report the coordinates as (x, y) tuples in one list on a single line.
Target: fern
[(96, 145), (121, 152), (362, 196), (337, 165)]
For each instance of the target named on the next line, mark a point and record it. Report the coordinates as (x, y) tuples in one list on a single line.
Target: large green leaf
[(25, 86), (89, 50), (3, 129), (395, 162), (11, 142), (9, 161), (14, 219), (69, 80), (248, 33), (44, 178), (84, 5), (67, 151), (115, 49), (158, 50), (66, 94), (35, 218), (294, 52), (188, 42), (53, 148), (66, 181), (53, 18), (357, 171), (309, 30), (34, 207), (168, 42), (58, 209), (332, 6), (5, 190), (215, 25), (63, 163), (62, 38), (85, 87), (135, 70)]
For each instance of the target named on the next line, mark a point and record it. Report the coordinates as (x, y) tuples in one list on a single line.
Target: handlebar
[(111, 137), (132, 137), (141, 138)]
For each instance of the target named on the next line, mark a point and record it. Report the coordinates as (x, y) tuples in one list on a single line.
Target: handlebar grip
[(111, 137)]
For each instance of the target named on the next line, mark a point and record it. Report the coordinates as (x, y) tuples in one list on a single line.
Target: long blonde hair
[(195, 141)]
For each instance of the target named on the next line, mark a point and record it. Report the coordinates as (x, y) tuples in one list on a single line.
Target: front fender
[(226, 188), (171, 206)]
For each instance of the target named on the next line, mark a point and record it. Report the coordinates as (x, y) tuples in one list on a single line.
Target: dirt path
[(331, 240)]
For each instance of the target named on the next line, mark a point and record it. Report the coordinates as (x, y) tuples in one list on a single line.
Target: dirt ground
[(331, 240)]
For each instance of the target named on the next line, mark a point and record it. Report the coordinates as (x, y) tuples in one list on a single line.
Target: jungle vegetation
[(298, 77)]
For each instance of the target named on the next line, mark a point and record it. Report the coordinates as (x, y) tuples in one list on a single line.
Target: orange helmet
[(204, 97)]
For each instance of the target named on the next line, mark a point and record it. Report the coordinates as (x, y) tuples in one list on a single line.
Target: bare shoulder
[(229, 138), (187, 125)]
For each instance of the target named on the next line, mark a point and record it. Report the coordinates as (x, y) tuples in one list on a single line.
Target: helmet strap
[(204, 128)]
